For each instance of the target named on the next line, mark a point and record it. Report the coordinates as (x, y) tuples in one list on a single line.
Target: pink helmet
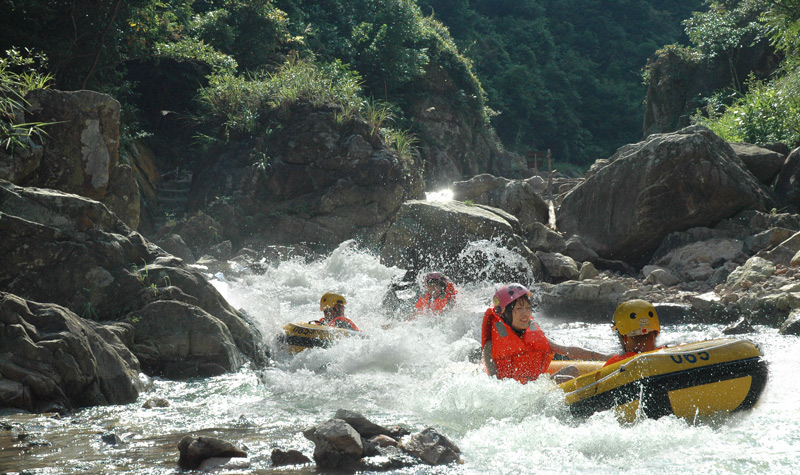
[(508, 293)]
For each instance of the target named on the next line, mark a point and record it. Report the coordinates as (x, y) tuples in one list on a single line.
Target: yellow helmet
[(636, 317), (329, 300)]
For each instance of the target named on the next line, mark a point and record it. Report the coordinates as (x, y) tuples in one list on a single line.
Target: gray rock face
[(182, 341), (73, 252), (761, 162), (669, 182), (322, 182), (517, 197), (81, 150), (51, 358)]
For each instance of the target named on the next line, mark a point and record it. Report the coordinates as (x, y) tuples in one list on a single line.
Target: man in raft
[(515, 347), (440, 295), (636, 324), (332, 306)]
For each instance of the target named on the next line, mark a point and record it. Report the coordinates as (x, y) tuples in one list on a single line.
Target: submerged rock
[(193, 451)]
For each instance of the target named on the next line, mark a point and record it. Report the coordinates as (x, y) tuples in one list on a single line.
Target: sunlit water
[(417, 374)]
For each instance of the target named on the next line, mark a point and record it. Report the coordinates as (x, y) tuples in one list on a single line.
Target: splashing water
[(419, 374)]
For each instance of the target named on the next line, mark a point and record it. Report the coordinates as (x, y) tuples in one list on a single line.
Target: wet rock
[(180, 341), (290, 457), (336, 444), (383, 441), (739, 327), (111, 438), (155, 402), (432, 447), (53, 358), (193, 451), (361, 424), (441, 235)]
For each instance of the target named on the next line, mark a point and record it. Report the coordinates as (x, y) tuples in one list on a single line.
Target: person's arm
[(491, 368), (578, 353)]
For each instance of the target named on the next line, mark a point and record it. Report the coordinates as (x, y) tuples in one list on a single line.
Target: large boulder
[(667, 183), (51, 359), (464, 241), (518, 197), (81, 149), (72, 251), (316, 180)]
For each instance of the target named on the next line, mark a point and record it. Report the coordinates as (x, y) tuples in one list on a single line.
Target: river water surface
[(417, 374)]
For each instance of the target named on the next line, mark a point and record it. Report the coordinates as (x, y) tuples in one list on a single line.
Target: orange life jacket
[(437, 305), (523, 359)]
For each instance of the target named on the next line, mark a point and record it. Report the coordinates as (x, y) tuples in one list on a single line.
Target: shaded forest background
[(565, 75)]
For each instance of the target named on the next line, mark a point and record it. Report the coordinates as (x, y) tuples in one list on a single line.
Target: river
[(417, 374)]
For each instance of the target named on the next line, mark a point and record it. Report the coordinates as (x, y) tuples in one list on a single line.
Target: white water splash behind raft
[(417, 374)]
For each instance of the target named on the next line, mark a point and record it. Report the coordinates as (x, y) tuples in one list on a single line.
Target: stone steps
[(173, 195)]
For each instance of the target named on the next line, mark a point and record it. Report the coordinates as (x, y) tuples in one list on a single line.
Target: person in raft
[(636, 324), (515, 347), (440, 295), (332, 306)]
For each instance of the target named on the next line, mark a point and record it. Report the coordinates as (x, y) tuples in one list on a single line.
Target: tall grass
[(19, 74)]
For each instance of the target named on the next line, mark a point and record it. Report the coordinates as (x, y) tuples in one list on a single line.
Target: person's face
[(639, 343), (435, 287), (335, 311), (521, 315)]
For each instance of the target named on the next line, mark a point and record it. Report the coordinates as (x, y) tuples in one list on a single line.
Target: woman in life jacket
[(332, 306), (637, 326), (440, 295), (515, 347)]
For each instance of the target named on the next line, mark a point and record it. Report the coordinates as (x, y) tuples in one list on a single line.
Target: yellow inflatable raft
[(690, 381), (302, 336)]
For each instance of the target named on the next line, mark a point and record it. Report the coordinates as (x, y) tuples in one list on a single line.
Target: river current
[(415, 373)]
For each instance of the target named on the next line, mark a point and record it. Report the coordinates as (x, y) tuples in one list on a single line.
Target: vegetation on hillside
[(752, 111), (545, 74)]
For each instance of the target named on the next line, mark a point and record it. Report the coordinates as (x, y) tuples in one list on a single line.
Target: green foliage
[(254, 32), (563, 75), (240, 103), (19, 74), (768, 111), (726, 26)]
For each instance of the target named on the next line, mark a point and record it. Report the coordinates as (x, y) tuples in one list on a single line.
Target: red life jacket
[(437, 305), (343, 322), (523, 359)]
